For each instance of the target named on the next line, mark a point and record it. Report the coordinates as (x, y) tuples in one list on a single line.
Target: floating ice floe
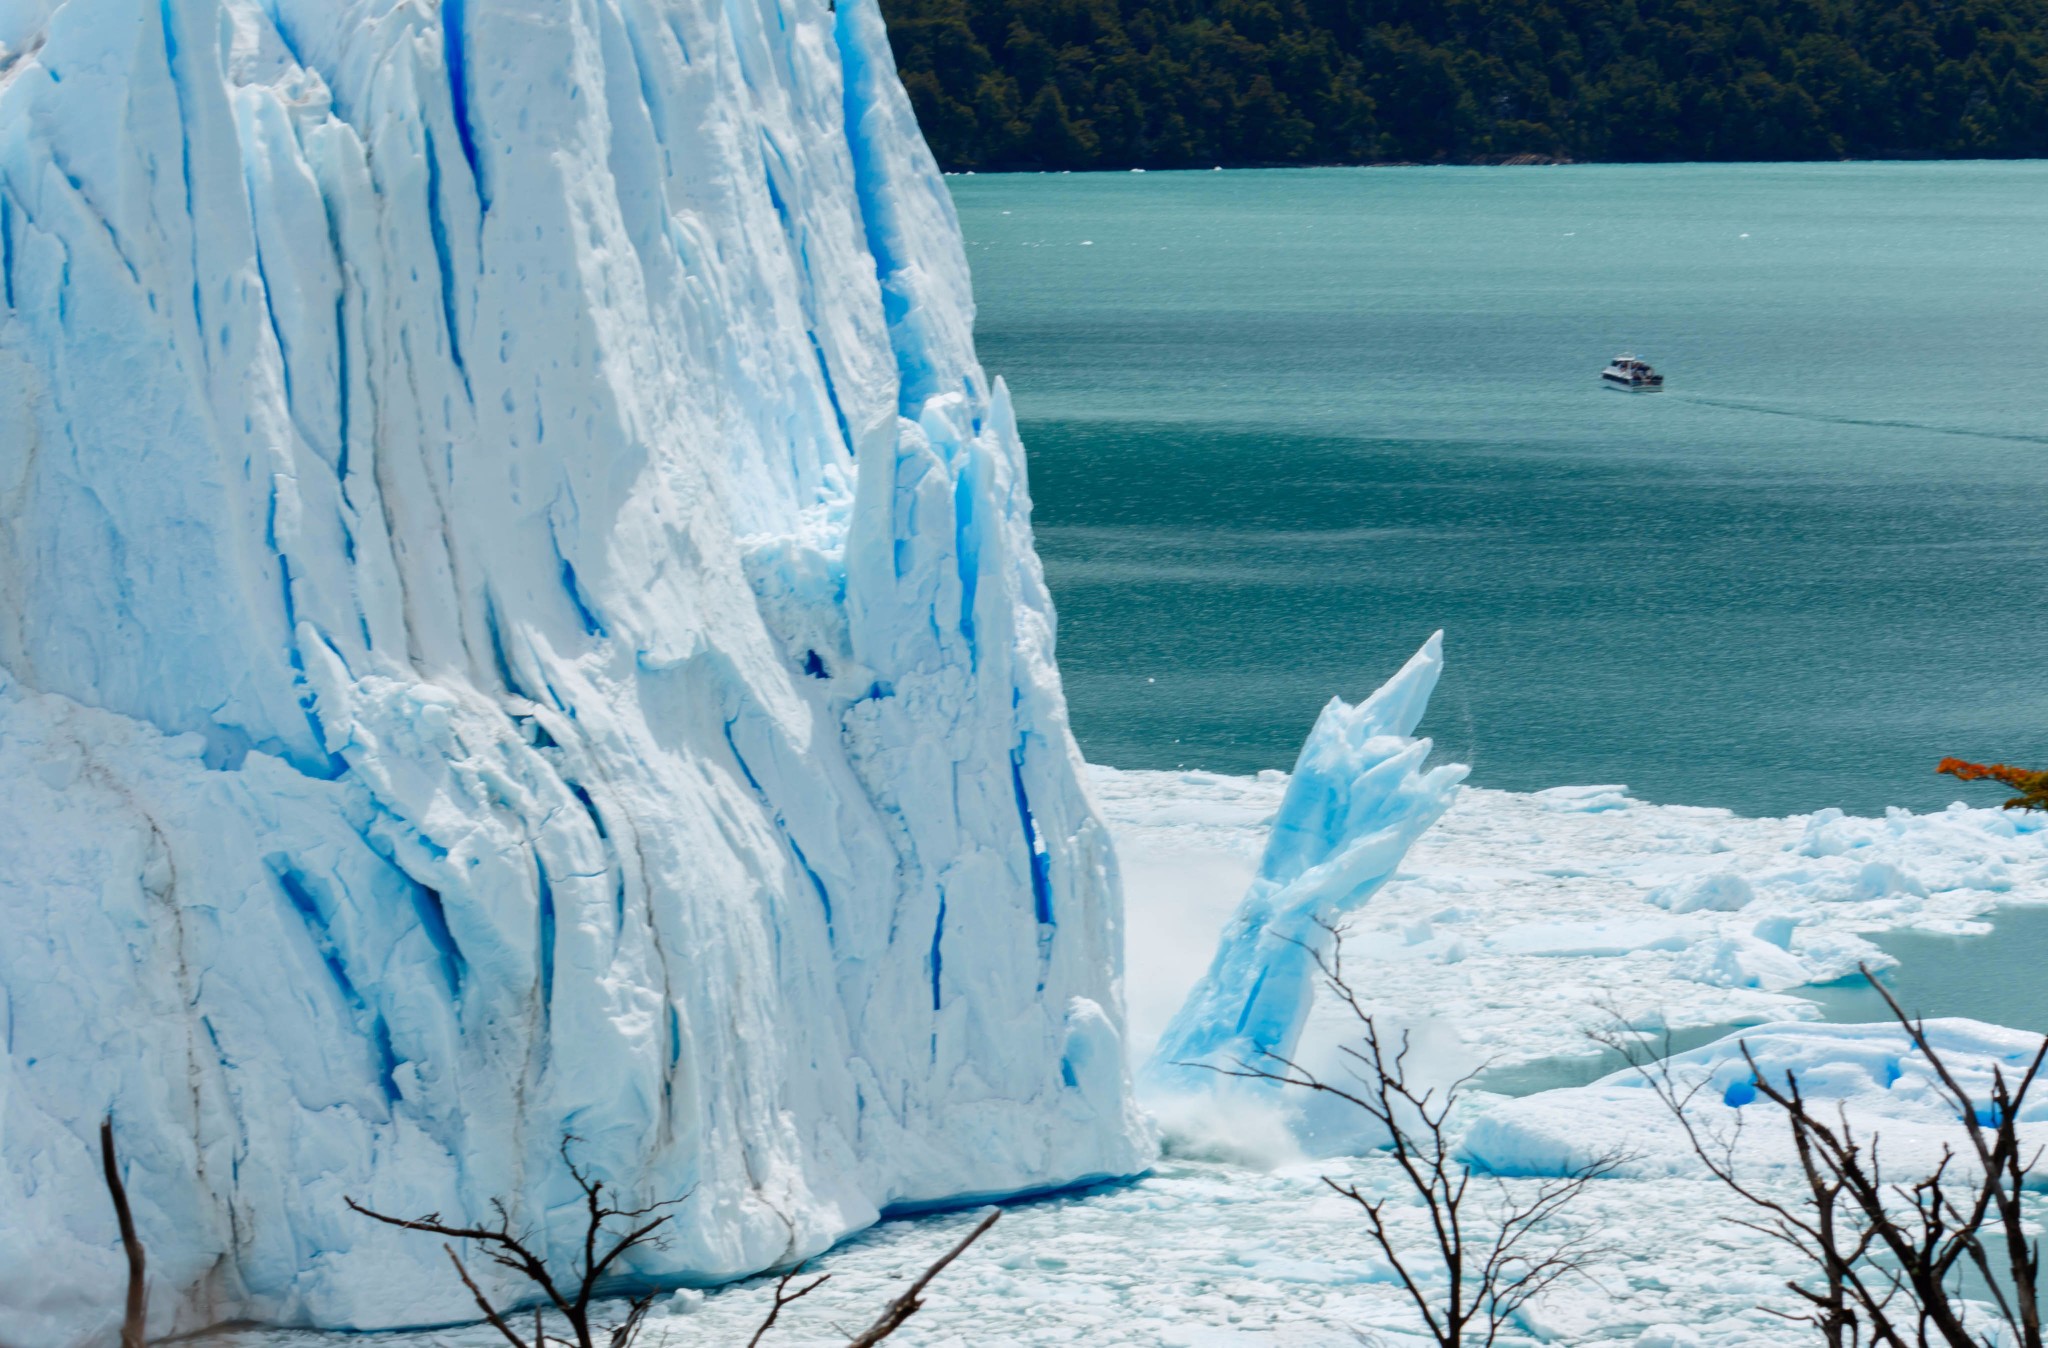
[(1880, 1082), (1512, 927), (1716, 891)]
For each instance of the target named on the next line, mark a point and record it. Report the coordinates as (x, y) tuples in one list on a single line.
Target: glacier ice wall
[(1358, 799), (517, 617)]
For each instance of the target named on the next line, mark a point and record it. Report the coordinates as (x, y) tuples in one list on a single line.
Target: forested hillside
[(1021, 84)]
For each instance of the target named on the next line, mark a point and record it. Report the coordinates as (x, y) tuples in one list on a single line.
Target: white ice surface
[(1202, 1253), (517, 616), (1870, 1077)]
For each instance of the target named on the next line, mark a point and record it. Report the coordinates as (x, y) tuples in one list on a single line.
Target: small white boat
[(1628, 372)]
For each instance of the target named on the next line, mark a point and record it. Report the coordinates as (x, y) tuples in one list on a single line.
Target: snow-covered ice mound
[(517, 616), (1873, 1074)]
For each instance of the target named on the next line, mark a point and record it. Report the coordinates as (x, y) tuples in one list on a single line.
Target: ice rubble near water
[(517, 616), (1871, 1075), (1702, 923), (1520, 920)]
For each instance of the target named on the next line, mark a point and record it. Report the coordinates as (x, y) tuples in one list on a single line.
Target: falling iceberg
[(519, 619), (1359, 797)]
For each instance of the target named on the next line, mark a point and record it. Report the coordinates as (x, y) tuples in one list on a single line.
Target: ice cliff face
[(517, 617)]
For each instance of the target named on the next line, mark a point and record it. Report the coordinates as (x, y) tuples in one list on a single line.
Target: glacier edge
[(519, 619)]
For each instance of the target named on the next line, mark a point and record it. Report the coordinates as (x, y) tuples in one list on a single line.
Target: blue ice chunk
[(1359, 798)]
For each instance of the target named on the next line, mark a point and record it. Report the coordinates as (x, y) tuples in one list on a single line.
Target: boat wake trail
[(2012, 437)]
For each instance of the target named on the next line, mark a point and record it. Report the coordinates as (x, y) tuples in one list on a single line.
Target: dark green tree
[(1061, 84)]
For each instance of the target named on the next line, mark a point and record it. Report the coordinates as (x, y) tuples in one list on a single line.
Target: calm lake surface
[(1284, 424)]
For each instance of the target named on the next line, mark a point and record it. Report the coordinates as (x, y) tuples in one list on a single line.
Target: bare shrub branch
[(135, 1318), (783, 1296), (1493, 1267), (521, 1252), (911, 1301), (517, 1251), (1889, 1254), (483, 1303)]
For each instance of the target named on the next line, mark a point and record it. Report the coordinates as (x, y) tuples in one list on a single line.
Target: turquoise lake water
[(1283, 424)]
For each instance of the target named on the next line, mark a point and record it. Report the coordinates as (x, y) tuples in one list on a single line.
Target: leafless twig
[(1888, 1254), (911, 1302), (520, 1252), (1494, 1267), (135, 1319), (783, 1296), (516, 1251)]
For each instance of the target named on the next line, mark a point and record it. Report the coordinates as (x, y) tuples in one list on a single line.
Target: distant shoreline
[(1034, 83), (1509, 161)]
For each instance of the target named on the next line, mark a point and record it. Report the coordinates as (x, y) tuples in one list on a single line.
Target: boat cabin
[(1630, 372)]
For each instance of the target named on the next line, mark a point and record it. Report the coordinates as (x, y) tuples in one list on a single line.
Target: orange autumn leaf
[(2032, 786)]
